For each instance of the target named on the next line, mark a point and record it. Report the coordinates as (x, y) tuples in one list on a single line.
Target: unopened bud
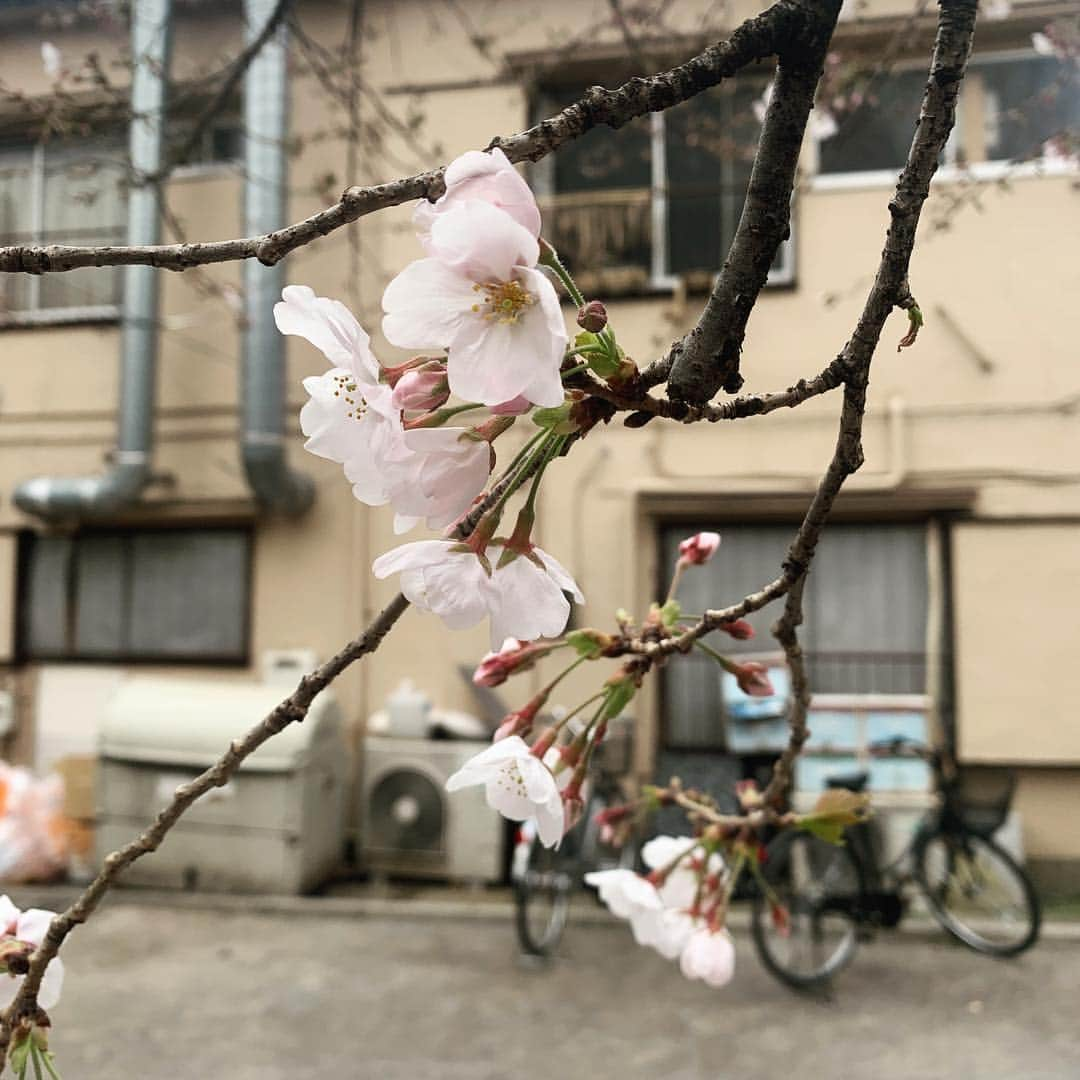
[(699, 548), (739, 629), (592, 316), (423, 389), (392, 375)]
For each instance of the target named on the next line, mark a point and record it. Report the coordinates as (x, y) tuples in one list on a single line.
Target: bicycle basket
[(981, 797)]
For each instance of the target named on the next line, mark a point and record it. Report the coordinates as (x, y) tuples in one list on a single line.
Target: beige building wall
[(977, 419)]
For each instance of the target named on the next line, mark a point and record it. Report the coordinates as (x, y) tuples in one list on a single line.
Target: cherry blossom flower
[(488, 177), (667, 930), (698, 549), (29, 927), (350, 417), (709, 955), (480, 297), (529, 600), (524, 598), (626, 894), (517, 784), (435, 476)]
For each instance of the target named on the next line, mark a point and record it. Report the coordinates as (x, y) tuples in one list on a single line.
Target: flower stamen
[(503, 301)]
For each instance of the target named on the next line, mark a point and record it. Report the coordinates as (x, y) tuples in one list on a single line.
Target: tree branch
[(755, 39), (707, 358)]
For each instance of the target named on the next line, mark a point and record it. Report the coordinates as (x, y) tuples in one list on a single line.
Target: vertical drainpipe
[(262, 390), (87, 496)]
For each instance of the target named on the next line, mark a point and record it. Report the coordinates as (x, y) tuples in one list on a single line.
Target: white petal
[(661, 851), (415, 556), (33, 924), (550, 824), (560, 574), (9, 915), (52, 983), (329, 326), (528, 603), (482, 242), (426, 304)]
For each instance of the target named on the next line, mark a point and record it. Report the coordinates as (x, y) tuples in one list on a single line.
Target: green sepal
[(670, 612)]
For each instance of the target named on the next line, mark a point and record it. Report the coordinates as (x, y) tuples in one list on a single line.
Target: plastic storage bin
[(277, 826)]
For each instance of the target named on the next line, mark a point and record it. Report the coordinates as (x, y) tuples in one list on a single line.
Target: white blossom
[(480, 297), (517, 784), (709, 955), (446, 578), (626, 894), (29, 927), (52, 60), (485, 177)]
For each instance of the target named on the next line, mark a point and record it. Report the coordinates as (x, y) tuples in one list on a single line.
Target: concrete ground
[(189, 992)]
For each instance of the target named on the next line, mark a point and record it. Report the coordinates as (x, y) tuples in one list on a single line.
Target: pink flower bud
[(739, 629), (421, 390), (513, 407), (391, 375), (592, 316), (514, 656), (573, 808), (753, 679), (699, 548)]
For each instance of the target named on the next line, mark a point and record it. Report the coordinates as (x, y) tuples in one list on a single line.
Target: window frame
[(661, 280), (131, 657), (34, 314), (950, 170)]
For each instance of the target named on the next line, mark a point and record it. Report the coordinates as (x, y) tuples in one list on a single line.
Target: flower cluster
[(678, 908), (493, 334)]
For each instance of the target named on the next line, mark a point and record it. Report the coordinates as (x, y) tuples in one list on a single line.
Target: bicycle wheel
[(821, 885), (977, 892), (542, 888)]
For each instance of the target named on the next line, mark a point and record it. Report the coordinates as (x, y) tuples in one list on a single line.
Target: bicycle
[(545, 879), (836, 896)]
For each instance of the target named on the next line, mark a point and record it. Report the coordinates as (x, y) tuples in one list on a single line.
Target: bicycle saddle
[(849, 781)]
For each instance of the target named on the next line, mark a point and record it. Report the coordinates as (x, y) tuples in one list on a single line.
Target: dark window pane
[(45, 596), (100, 596), (189, 594), (865, 616), (709, 144), (877, 135), (1025, 103)]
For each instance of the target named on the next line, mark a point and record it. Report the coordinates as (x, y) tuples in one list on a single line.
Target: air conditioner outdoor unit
[(410, 826)]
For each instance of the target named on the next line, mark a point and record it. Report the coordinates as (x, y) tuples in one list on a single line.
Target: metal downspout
[(262, 390), (87, 496)]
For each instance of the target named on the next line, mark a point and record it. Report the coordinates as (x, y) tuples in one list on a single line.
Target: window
[(61, 193), (865, 627), (179, 594), (1011, 104), (657, 201), (877, 134), (1026, 101)]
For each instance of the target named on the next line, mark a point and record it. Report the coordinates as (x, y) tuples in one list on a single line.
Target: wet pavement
[(186, 993)]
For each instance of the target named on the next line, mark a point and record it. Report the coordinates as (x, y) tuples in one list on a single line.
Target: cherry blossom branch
[(643, 407), (707, 358), (779, 27), (292, 710)]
